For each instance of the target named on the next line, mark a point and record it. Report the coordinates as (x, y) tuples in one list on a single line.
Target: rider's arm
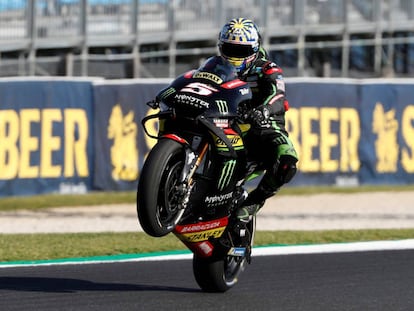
[(273, 88)]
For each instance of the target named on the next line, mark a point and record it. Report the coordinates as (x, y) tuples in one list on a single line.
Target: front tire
[(158, 205)]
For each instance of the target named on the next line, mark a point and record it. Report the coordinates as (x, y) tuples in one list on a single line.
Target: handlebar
[(199, 119), (161, 115)]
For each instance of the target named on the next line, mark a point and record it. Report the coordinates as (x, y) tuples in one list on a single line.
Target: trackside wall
[(78, 135)]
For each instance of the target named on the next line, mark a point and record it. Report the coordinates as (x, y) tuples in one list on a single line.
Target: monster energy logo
[(281, 140), (226, 174), (167, 92), (222, 106)]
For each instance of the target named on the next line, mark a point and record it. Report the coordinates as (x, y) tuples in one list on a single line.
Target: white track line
[(257, 251)]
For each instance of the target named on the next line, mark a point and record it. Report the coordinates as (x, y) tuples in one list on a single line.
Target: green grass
[(57, 200), (17, 247)]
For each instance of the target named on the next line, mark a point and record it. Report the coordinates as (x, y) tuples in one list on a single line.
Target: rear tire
[(217, 275), (220, 273), (157, 202)]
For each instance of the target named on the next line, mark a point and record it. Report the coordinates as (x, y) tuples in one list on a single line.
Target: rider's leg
[(281, 170)]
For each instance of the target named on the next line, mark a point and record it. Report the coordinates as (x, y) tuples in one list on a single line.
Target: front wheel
[(158, 198)]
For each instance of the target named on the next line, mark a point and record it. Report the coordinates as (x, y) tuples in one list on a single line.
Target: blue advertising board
[(353, 131), (66, 136), (45, 137), (387, 144), (324, 125), (120, 143)]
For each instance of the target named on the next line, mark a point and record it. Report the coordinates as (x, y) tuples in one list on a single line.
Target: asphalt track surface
[(375, 280)]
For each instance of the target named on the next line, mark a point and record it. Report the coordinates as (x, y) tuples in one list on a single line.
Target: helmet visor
[(237, 50)]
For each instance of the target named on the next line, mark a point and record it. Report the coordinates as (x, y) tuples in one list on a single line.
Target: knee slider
[(286, 169)]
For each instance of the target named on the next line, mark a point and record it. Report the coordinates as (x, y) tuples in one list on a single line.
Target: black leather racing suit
[(268, 142)]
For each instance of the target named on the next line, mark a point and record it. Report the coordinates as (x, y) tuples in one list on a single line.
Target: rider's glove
[(260, 116)]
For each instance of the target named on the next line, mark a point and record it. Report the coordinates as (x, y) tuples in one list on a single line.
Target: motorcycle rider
[(267, 141)]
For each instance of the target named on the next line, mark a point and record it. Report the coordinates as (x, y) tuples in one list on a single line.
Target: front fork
[(191, 163)]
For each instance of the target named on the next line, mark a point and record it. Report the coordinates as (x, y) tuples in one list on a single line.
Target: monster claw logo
[(124, 154), (226, 174)]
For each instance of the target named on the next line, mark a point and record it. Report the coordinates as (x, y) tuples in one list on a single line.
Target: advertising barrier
[(324, 125), (387, 126), (120, 143), (351, 132), (46, 144), (75, 136)]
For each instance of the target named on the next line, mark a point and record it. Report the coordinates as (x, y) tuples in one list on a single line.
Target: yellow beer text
[(311, 130), (28, 142)]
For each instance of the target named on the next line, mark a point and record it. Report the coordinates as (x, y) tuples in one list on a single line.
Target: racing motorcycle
[(192, 179)]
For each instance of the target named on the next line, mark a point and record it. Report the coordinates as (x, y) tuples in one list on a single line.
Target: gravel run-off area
[(373, 210)]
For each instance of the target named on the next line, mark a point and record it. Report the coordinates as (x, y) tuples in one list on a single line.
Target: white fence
[(132, 38)]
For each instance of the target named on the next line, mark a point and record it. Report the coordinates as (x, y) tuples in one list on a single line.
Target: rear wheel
[(159, 195), (218, 274)]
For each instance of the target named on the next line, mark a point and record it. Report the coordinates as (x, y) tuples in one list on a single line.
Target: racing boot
[(244, 214), (253, 203)]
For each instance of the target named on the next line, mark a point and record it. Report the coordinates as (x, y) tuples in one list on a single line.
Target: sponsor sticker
[(201, 231), (208, 76), (203, 235)]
